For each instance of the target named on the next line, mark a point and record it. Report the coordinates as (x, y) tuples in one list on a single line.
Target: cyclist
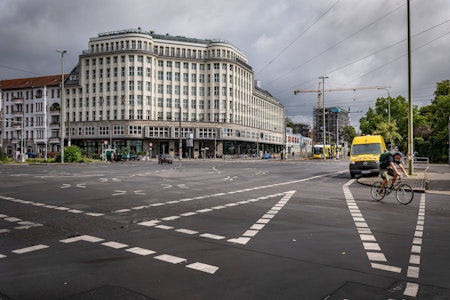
[(387, 167)]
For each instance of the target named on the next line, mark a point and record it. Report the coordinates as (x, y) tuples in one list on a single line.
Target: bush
[(71, 154), (2, 155)]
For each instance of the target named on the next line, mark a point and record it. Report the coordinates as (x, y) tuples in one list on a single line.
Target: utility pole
[(410, 107), (63, 103), (324, 128)]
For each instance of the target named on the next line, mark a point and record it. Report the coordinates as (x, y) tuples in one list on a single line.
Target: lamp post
[(63, 127), (180, 142), (323, 104)]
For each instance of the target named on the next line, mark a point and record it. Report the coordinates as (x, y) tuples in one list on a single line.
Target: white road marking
[(386, 268), (30, 249), (115, 245), (86, 238), (370, 244), (414, 260), (411, 289), (203, 267), (186, 231), (140, 251), (170, 258), (212, 236), (119, 192), (245, 238)]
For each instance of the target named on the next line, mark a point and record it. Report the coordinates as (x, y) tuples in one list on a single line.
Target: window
[(131, 71), (169, 75), (135, 129)]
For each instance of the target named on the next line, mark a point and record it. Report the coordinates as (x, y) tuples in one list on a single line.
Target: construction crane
[(319, 91)]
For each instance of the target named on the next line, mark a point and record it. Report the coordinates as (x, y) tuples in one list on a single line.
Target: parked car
[(267, 156), (165, 158), (31, 155)]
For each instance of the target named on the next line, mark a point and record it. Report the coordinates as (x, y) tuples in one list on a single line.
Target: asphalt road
[(215, 230)]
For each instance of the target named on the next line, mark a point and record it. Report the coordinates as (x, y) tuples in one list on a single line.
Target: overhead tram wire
[(376, 52), (16, 69), (398, 57), (298, 37), (335, 45)]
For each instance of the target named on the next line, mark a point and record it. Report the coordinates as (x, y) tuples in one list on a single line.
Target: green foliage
[(289, 123), (349, 133), (71, 154), (430, 123), (2, 154)]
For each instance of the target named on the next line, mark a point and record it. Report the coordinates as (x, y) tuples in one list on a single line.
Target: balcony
[(17, 112), (54, 140), (16, 126), (17, 100)]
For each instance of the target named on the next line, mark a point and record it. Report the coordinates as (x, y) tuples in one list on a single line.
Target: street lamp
[(63, 127), (323, 104), (389, 103)]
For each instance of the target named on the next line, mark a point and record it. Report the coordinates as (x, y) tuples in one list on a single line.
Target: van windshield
[(366, 149)]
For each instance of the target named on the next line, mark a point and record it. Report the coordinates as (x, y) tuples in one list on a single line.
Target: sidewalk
[(433, 179)]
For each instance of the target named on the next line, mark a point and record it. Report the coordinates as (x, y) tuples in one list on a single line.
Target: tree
[(289, 123), (349, 133)]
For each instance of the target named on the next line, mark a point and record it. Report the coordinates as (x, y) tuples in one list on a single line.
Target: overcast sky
[(289, 43)]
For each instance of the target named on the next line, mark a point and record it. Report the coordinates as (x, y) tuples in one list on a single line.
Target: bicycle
[(403, 192)]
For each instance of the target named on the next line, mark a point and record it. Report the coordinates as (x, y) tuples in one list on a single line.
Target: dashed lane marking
[(22, 224), (370, 244), (246, 236), (373, 250), (202, 267), (412, 288), (125, 210), (30, 249), (60, 208)]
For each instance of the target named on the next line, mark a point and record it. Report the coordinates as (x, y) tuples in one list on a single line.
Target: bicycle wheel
[(375, 191), (405, 194)]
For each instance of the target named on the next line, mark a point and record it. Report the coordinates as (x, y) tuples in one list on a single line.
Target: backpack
[(384, 156)]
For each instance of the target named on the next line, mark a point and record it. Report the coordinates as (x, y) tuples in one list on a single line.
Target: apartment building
[(336, 119), (30, 114), (138, 91)]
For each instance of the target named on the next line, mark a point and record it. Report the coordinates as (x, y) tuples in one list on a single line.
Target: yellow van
[(365, 155)]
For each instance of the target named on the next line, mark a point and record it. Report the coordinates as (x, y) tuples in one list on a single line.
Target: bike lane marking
[(370, 244), (412, 288)]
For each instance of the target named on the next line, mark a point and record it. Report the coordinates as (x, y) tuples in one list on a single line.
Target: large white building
[(140, 91), (30, 114)]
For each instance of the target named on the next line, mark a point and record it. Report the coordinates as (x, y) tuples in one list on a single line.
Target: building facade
[(30, 112), (141, 92), (336, 119)]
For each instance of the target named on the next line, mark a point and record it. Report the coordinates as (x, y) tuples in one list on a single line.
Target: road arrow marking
[(81, 185), (65, 185), (118, 192)]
